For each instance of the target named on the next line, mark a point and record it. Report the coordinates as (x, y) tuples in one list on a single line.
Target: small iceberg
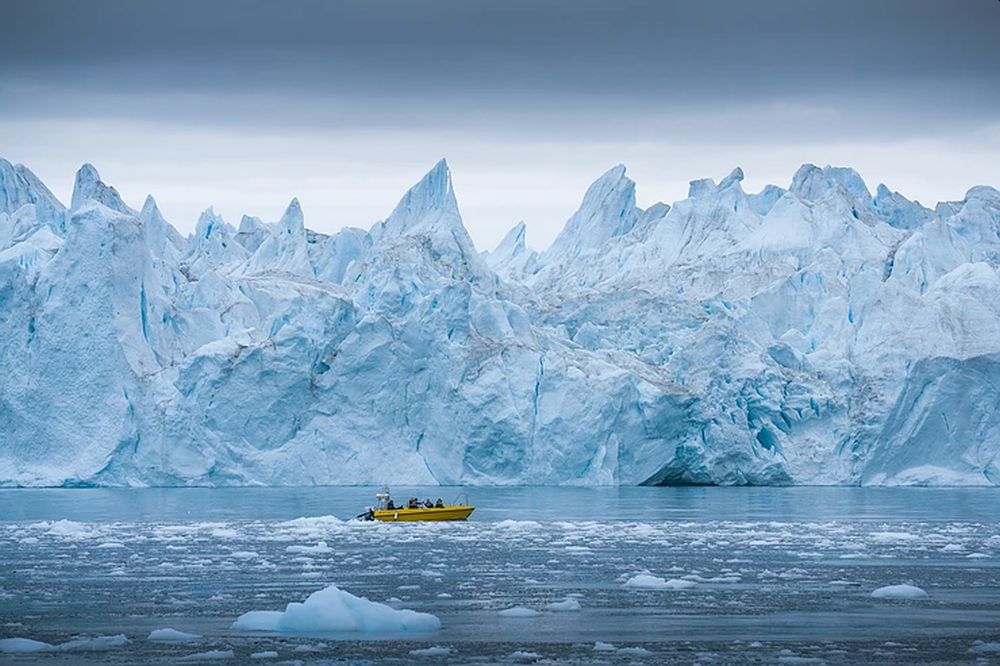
[(332, 610), (648, 582), (211, 655), (97, 644), (18, 644), (568, 605), (899, 592), (518, 612), (168, 634)]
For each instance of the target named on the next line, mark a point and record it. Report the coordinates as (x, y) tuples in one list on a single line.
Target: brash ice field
[(543, 575)]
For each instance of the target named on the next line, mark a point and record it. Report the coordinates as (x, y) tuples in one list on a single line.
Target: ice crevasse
[(809, 334)]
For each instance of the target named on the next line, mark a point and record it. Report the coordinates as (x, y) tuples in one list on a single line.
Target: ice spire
[(427, 206), (608, 210), (89, 187)]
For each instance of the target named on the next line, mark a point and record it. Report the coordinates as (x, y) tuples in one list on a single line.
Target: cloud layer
[(244, 105)]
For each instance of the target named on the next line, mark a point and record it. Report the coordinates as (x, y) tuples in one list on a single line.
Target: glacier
[(809, 334)]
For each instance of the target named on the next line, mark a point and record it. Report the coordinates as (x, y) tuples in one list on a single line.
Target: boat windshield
[(382, 499)]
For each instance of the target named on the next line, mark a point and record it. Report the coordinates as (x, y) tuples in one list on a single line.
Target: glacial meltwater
[(546, 575)]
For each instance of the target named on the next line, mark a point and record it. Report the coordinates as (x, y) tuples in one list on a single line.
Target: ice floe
[(518, 612), (434, 651), (650, 582), (168, 634), (899, 592)]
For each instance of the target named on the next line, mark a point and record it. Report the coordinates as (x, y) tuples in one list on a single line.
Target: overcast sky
[(243, 105)]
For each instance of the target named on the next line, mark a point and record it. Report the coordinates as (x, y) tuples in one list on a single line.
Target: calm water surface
[(770, 575)]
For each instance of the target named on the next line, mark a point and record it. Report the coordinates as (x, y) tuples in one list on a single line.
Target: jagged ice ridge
[(817, 334)]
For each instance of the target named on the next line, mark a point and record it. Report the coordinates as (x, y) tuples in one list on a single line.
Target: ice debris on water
[(86, 644), (434, 651), (650, 582), (518, 612), (18, 644), (209, 655), (981, 647), (566, 605), (319, 549)]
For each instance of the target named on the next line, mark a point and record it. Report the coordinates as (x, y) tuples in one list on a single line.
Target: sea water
[(777, 575)]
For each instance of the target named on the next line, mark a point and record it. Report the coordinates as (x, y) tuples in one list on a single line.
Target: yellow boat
[(451, 512), (382, 511)]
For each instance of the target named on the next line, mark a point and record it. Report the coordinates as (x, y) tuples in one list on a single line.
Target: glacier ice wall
[(815, 334)]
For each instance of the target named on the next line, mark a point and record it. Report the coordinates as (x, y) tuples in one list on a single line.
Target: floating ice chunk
[(318, 549), (332, 610), (649, 582), (518, 612), (791, 658), (168, 634), (435, 651), (211, 655), (109, 545), (893, 537), (979, 647), (977, 556), (563, 606), (735, 578), (601, 646), (313, 523), (96, 644), (266, 654), (444, 595), (68, 529), (899, 592), (307, 647), (518, 525), (11, 645), (524, 655)]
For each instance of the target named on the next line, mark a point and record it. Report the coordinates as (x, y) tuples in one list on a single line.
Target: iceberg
[(333, 611), (808, 333)]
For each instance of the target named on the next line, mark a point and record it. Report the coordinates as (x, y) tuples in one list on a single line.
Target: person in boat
[(428, 504), (391, 506), (439, 504), (413, 503)]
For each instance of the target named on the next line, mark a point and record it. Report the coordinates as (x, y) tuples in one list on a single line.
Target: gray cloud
[(229, 102)]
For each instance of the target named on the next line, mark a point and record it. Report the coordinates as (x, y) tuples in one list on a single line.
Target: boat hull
[(458, 512)]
